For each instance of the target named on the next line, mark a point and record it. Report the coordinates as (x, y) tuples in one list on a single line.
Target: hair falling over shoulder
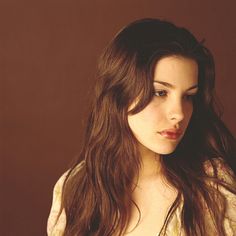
[(97, 199)]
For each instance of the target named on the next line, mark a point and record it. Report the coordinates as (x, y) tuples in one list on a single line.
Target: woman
[(157, 159)]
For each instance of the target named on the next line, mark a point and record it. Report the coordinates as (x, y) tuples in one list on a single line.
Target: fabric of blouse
[(56, 228)]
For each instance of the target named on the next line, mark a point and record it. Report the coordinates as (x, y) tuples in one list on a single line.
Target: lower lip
[(170, 135)]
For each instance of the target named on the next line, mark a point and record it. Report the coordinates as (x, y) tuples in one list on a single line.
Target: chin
[(164, 150), (158, 148)]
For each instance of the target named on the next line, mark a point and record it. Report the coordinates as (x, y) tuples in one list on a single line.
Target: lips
[(171, 133)]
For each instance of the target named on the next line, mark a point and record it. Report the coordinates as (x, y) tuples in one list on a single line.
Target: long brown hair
[(97, 199)]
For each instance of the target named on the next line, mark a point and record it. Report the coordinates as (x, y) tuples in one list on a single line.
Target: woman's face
[(175, 83)]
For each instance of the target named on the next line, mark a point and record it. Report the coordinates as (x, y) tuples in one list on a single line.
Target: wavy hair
[(97, 199)]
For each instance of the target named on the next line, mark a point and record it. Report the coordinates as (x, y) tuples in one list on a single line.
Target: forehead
[(177, 70)]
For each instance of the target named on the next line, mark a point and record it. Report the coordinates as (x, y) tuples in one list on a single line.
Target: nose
[(176, 110)]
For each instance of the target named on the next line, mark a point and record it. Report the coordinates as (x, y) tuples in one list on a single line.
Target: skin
[(169, 108)]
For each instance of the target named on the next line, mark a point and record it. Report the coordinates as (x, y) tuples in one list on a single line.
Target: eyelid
[(191, 93), (161, 90), (166, 92)]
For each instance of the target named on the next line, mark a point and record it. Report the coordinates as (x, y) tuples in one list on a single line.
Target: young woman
[(157, 159)]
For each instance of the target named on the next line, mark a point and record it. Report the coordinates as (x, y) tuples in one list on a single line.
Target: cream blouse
[(174, 226)]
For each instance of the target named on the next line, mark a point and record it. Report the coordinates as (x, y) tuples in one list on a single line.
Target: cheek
[(152, 114), (188, 114), (148, 117)]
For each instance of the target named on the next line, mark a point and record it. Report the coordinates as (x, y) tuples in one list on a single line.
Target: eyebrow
[(172, 86)]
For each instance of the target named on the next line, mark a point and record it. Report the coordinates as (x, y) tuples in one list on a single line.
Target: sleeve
[(230, 217), (56, 227), (226, 174)]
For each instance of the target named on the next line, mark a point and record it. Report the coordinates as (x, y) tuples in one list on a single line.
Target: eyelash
[(189, 97)]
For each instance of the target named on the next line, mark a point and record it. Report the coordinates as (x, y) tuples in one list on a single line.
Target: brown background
[(48, 54)]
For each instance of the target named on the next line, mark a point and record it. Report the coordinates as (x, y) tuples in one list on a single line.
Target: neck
[(150, 166)]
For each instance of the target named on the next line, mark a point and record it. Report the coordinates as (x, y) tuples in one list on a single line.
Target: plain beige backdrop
[(48, 54)]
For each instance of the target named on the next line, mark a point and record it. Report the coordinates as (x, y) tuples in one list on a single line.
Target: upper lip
[(173, 131)]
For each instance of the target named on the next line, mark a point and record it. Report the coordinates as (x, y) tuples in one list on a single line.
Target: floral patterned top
[(174, 226)]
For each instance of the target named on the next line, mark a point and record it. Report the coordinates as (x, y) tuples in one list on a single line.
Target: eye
[(190, 96), (160, 93)]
